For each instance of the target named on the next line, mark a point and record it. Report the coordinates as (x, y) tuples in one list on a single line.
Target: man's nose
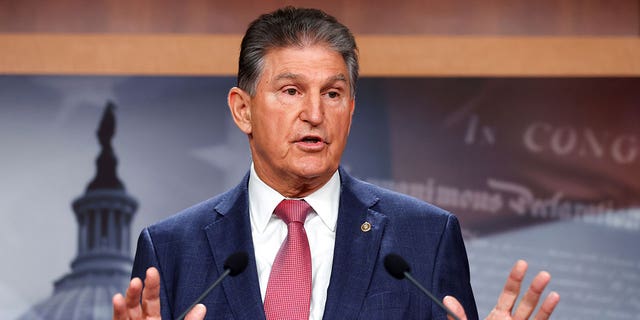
[(313, 110)]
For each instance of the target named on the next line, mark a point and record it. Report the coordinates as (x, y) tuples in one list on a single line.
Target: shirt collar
[(263, 201)]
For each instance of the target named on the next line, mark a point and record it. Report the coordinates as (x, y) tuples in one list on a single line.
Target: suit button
[(365, 227)]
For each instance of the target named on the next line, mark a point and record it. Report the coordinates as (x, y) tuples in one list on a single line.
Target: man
[(295, 100)]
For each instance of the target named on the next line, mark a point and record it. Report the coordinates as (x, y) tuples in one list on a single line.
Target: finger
[(511, 290), (531, 297), (455, 306), (119, 307), (151, 293), (548, 305), (132, 299), (197, 313)]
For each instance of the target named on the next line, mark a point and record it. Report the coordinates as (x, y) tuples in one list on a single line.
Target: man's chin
[(315, 172)]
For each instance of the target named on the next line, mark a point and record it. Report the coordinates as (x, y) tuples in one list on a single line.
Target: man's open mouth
[(311, 139)]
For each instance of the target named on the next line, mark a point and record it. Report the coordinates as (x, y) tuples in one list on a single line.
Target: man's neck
[(292, 186)]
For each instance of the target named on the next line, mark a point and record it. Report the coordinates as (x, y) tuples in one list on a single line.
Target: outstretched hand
[(507, 299), (143, 303)]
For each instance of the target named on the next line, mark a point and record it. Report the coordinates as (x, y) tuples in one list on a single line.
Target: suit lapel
[(356, 250), (231, 233), (355, 254)]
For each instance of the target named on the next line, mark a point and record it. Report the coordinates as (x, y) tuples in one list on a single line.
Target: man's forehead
[(282, 58)]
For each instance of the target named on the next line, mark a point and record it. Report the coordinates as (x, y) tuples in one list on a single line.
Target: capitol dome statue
[(103, 264)]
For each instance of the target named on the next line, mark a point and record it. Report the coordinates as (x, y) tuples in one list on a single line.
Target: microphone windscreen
[(236, 263), (396, 266)]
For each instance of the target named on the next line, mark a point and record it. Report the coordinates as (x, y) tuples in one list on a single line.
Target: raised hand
[(507, 299), (132, 307)]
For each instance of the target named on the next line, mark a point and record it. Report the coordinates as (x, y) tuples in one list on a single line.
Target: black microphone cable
[(233, 266), (399, 269)]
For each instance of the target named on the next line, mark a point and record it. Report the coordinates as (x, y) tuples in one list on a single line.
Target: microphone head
[(236, 263), (396, 265)]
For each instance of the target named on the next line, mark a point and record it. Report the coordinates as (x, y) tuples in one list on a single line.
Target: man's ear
[(239, 103), (352, 107)]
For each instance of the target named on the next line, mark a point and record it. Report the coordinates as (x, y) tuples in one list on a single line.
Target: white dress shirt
[(269, 231)]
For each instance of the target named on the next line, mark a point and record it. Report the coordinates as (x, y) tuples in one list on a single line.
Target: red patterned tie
[(289, 289)]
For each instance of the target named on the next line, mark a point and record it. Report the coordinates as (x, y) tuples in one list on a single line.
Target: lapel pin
[(365, 227)]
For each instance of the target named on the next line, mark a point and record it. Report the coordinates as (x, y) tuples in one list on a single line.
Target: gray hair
[(288, 27)]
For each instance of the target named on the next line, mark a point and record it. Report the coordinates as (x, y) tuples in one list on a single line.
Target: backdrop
[(542, 169)]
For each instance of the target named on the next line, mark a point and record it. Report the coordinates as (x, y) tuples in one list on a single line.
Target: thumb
[(197, 313), (455, 306)]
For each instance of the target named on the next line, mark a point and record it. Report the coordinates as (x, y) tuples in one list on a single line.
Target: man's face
[(299, 118)]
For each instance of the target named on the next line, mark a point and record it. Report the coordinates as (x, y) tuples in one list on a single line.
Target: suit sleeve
[(451, 271), (145, 258)]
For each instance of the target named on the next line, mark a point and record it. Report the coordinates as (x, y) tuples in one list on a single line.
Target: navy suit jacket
[(189, 250)]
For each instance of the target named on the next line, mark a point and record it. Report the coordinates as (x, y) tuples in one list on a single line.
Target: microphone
[(399, 269), (233, 266)]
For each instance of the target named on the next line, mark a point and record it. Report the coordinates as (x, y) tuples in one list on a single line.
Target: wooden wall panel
[(381, 55), (397, 38), (432, 17)]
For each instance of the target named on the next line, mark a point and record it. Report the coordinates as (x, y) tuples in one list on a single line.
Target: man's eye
[(332, 94), (291, 91)]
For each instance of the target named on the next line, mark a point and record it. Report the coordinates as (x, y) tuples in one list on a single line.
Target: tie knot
[(292, 210)]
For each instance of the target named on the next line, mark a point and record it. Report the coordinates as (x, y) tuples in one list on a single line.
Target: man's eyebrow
[(338, 77), (287, 75), (290, 75)]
